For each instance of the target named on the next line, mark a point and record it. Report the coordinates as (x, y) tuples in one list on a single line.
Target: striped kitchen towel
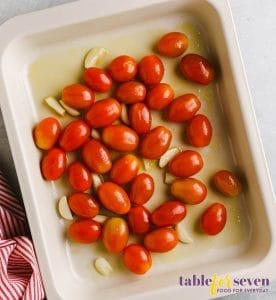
[(19, 273)]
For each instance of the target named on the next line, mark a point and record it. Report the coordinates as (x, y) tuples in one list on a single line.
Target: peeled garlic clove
[(97, 180), (54, 104), (103, 266), (95, 134), (94, 56), (124, 114), (100, 218), (64, 209), (169, 178), (183, 234), (167, 156), (148, 163), (71, 111)]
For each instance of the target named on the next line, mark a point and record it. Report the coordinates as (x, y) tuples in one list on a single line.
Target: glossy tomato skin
[(139, 219), (213, 219), (103, 113), (186, 164), (96, 156), (189, 190), (168, 214), (74, 135), (79, 176), (227, 183), (131, 92), (125, 169), (183, 108), (197, 69), (97, 79), (156, 143), (53, 164), (83, 205), (114, 198), (137, 259), (123, 68), (120, 138), (151, 69), (140, 118), (78, 96), (199, 131), (115, 235), (46, 133), (159, 96), (161, 239), (172, 44), (141, 189), (85, 231)]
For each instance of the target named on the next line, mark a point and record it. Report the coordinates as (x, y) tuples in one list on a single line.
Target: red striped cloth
[(19, 273)]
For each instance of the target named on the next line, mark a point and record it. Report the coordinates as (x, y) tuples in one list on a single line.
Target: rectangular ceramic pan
[(25, 38)]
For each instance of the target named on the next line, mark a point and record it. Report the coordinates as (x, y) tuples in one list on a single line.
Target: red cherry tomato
[(159, 96), (168, 214), (78, 96), (85, 231), (183, 108), (213, 219), (156, 142), (161, 240), (137, 259), (83, 205), (124, 169), (172, 44), (141, 189), (96, 156), (46, 133), (97, 79), (123, 68), (151, 69), (197, 69), (79, 176), (115, 235), (53, 164), (131, 92), (227, 183), (189, 190), (186, 164), (139, 219), (120, 138), (140, 118), (74, 135), (114, 198), (103, 113)]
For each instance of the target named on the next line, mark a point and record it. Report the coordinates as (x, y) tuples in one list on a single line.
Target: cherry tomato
[(189, 190), (131, 92), (83, 205), (97, 79), (96, 156), (78, 96), (123, 68), (168, 214), (227, 183), (46, 133), (186, 164), (53, 164), (103, 113), (151, 69), (120, 138), (115, 235), (85, 231), (159, 96), (124, 169), (74, 135), (197, 68), (183, 108), (79, 176), (161, 240), (213, 219), (141, 189), (114, 198), (139, 219), (137, 259), (140, 118), (172, 44), (156, 142)]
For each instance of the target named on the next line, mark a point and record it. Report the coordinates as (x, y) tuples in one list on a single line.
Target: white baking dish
[(25, 38)]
